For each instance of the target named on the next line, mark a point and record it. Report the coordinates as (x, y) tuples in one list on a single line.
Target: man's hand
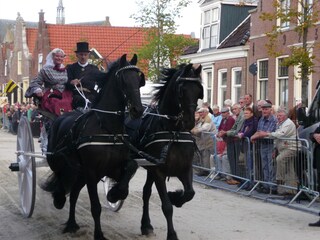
[(317, 137), (75, 82)]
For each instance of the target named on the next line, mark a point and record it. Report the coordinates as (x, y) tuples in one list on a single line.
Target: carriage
[(168, 149)]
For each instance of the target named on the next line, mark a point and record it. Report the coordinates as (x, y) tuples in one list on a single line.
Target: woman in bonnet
[(50, 85)]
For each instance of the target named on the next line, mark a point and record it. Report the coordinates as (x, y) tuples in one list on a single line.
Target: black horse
[(83, 148), (165, 135)]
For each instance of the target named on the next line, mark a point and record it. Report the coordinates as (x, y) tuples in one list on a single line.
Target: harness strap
[(169, 137), (142, 154), (101, 139)]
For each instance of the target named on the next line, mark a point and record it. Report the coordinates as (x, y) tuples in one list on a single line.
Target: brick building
[(237, 63)]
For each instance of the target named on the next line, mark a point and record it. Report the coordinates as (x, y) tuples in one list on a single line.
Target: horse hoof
[(59, 201), (316, 224), (115, 194), (176, 198), (147, 231), (71, 228)]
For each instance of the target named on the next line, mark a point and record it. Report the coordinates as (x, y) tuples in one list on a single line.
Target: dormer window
[(210, 28)]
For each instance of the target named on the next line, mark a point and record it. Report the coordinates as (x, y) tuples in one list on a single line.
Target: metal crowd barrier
[(255, 168)]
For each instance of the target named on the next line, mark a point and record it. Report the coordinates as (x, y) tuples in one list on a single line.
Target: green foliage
[(163, 47)]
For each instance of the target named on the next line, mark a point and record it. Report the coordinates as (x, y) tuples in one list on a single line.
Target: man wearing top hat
[(81, 74)]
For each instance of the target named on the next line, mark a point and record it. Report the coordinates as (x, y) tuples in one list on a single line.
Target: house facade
[(282, 85), (235, 58), (223, 49)]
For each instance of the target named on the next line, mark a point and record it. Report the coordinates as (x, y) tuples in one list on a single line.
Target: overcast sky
[(119, 12)]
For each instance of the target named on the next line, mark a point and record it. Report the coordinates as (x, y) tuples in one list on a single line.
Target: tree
[(163, 47), (304, 16)]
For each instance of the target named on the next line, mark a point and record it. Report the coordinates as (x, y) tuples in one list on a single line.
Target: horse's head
[(131, 79), (179, 96), (189, 89)]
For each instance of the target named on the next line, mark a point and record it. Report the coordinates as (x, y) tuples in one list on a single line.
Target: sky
[(119, 12)]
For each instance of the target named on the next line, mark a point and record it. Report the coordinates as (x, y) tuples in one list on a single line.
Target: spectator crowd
[(242, 139)]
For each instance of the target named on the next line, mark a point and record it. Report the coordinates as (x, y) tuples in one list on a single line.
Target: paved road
[(212, 214)]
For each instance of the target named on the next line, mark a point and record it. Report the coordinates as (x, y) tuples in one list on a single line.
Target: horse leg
[(146, 227), (95, 207), (179, 197), (121, 189), (59, 194), (166, 206), (71, 224)]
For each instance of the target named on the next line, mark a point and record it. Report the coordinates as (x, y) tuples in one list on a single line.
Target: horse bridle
[(180, 80), (117, 74)]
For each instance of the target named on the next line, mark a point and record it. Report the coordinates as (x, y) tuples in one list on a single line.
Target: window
[(207, 15), (19, 63), (308, 8), (236, 84), (282, 79), (209, 86), (215, 15), (285, 8), (222, 91), (210, 30), (206, 37), (40, 56), (263, 79), (6, 67), (214, 36)]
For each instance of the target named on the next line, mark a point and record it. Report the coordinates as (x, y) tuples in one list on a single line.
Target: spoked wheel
[(108, 183), (27, 168)]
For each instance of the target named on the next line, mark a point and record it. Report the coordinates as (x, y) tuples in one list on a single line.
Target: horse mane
[(167, 76), (101, 78)]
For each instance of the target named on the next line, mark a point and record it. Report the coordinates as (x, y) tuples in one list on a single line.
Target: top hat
[(82, 47)]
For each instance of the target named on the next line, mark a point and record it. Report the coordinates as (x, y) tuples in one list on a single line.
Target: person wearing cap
[(81, 74), (284, 150), (203, 134), (266, 124), (226, 124)]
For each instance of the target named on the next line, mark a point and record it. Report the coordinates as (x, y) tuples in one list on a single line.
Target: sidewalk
[(302, 203)]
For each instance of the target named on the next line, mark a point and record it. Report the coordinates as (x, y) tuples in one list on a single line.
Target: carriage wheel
[(108, 184), (27, 168)]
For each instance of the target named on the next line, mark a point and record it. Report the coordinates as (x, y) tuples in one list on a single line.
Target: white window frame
[(279, 80), (221, 87), (261, 79), (208, 85), (310, 3), (235, 86), (6, 67), (285, 7), (19, 62), (214, 29), (210, 28), (40, 58)]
